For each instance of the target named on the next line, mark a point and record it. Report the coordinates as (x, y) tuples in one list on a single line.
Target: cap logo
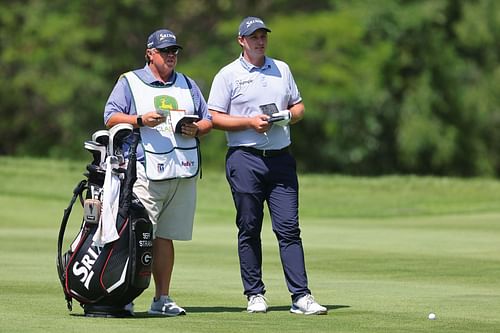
[(249, 23), (165, 36)]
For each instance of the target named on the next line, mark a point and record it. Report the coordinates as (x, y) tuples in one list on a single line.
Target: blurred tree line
[(390, 86)]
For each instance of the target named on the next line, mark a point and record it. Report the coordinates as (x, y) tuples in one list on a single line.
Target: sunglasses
[(169, 50)]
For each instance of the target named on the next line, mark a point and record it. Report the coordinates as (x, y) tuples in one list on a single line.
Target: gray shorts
[(170, 204)]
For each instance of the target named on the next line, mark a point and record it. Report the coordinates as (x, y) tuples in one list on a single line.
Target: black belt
[(263, 153)]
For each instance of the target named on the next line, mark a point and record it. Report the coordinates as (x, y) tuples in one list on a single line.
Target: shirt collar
[(151, 79), (250, 67)]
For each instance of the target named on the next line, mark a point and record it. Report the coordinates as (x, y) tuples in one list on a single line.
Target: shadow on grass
[(216, 309), (287, 308)]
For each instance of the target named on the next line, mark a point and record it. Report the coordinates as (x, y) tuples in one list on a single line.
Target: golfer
[(153, 99), (259, 165)]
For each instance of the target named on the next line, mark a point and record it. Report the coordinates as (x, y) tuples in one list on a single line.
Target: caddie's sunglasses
[(169, 50)]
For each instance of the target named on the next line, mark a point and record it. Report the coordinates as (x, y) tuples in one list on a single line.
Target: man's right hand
[(259, 123), (152, 119)]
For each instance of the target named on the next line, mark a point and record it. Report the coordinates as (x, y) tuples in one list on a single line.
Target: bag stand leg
[(107, 311)]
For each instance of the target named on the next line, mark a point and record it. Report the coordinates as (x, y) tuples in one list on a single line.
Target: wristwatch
[(139, 121)]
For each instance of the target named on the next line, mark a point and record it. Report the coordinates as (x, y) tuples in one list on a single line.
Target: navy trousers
[(254, 180)]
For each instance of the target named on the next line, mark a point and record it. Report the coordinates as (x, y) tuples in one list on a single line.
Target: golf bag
[(104, 279)]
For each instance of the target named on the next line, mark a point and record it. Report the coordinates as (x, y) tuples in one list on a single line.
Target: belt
[(263, 153)]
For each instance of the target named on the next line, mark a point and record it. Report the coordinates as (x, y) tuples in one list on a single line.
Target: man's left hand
[(285, 114)]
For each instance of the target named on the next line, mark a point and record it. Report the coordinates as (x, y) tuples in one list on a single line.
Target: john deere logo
[(165, 103)]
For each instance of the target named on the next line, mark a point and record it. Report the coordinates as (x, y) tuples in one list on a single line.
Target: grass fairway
[(381, 254)]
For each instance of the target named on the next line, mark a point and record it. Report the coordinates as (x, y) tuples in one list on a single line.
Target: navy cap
[(162, 38), (250, 24)]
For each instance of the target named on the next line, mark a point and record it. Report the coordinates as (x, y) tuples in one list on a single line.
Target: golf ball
[(432, 316)]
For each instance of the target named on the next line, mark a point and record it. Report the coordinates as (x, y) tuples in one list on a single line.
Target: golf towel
[(106, 231)]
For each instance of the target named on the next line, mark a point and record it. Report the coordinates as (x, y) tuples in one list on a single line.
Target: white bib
[(167, 155)]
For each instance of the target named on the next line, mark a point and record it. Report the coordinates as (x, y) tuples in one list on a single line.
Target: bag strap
[(77, 192)]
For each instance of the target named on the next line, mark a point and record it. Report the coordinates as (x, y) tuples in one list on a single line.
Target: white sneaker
[(129, 308), (257, 303), (166, 306), (308, 306)]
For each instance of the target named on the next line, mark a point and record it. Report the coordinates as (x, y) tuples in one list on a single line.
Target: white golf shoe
[(165, 306), (308, 306), (257, 304), (129, 309)]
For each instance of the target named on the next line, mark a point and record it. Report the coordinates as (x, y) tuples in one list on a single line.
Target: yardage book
[(186, 119)]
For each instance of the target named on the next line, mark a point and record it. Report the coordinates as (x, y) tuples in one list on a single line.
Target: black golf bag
[(105, 279)]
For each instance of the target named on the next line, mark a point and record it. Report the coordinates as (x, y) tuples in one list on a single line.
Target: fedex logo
[(187, 164)]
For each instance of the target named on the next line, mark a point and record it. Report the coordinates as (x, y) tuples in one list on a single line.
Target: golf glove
[(287, 116)]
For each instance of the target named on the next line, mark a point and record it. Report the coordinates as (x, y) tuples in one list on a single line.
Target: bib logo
[(165, 103), (187, 164)]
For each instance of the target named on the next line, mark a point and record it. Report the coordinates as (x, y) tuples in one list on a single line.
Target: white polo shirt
[(240, 88)]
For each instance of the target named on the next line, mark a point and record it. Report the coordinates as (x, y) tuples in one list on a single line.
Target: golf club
[(97, 150), (117, 135), (101, 136)]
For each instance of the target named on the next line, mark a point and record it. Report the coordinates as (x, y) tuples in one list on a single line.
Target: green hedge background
[(390, 87)]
